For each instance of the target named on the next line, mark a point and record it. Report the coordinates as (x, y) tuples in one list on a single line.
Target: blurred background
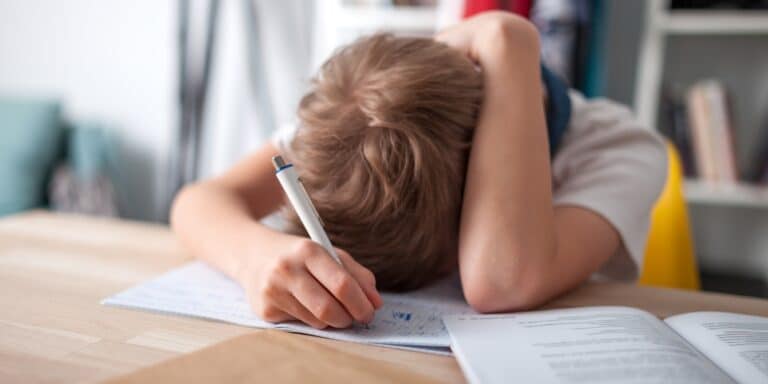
[(109, 107)]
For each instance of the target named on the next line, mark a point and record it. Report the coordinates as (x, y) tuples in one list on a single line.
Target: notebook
[(407, 321), (610, 344)]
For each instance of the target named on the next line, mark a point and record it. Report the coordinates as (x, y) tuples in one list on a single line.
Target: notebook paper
[(410, 321)]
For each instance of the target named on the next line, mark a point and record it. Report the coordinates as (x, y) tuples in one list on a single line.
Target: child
[(423, 156)]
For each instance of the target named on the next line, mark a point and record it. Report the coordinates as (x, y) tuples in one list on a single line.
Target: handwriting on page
[(412, 319), (397, 315)]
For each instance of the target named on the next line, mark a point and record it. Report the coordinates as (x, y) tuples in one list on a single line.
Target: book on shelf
[(758, 173), (699, 122), (712, 132), (675, 126)]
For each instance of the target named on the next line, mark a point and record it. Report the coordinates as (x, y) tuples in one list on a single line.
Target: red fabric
[(520, 7), (473, 7)]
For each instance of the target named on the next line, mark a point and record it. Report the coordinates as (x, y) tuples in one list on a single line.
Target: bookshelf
[(738, 195), (661, 24), (729, 222), (714, 22)]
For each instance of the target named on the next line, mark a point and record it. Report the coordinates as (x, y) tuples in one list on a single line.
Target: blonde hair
[(382, 149)]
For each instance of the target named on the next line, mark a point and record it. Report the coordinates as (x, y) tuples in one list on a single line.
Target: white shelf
[(394, 18), (661, 23), (714, 22), (739, 195)]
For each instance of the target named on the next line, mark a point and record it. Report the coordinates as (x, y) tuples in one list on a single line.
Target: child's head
[(382, 150)]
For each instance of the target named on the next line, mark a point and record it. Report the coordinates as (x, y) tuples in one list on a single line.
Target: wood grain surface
[(54, 270)]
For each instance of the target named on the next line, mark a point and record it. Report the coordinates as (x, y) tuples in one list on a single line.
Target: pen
[(302, 204)]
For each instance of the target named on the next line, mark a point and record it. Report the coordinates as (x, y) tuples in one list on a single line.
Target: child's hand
[(302, 282), (482, 36)]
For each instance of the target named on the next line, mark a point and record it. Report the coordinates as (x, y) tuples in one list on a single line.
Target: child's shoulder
[(611, 164), (602, 114), (605, 125)]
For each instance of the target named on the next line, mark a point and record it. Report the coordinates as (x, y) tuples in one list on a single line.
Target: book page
[(737, 343), (411, 320), (579, 345)]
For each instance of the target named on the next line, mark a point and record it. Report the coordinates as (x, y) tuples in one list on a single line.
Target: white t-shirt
[(606, 162)]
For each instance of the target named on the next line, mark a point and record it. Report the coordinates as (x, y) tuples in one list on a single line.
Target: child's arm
[(515, 249), (285, 277)]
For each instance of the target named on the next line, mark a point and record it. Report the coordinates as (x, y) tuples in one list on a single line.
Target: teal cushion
[(31, 137)]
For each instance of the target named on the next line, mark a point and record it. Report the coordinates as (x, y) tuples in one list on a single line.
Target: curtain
[(261, 70), (243, 66)]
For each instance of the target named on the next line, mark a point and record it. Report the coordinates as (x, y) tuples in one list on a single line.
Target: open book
[(407, 321), (610, 344)]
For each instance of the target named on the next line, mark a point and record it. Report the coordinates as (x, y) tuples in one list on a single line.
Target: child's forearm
[(285, 277), (515, 250), (217, 226), (507, 228), (218, 220)]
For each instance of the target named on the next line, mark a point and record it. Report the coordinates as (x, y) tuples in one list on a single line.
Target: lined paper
[(412, 320)]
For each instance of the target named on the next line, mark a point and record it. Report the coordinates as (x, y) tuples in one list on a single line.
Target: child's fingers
[(373, 295), (363, 275), (342, 285), (318, 301), (270, 313), (293, 307)]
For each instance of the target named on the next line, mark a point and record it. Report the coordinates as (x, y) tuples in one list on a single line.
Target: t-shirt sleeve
[(610, 164)]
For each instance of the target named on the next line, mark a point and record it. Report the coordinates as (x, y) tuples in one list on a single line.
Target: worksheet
[(410, 321), (610, 344)]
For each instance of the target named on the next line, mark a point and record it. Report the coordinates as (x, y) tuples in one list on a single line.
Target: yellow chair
[(669, 257)]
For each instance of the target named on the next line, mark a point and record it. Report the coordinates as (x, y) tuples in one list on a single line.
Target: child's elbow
[(486, 296), (505, 28)]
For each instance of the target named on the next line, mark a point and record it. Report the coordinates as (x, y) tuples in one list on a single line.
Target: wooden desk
[(54, 269)]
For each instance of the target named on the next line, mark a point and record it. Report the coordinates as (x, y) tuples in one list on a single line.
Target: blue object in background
[(31, 141), (88, 149), (594, 68), (84, 183)]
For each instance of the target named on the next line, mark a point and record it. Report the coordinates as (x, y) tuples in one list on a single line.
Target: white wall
[(113, 62)]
